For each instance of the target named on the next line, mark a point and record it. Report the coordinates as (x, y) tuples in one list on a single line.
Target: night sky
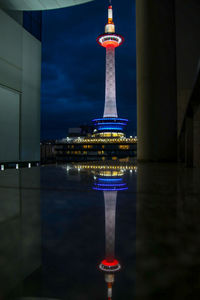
[(73, 66)]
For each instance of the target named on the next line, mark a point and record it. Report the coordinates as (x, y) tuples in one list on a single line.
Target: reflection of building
[(20, 77), (108, 169), (110, 183), (110, 264), (109, 179)]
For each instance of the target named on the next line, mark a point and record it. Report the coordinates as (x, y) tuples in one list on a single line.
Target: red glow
[(113, 44), (110, 263), (110, 42), (110, 6)]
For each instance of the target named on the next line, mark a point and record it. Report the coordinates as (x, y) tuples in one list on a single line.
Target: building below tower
[(95, 148)]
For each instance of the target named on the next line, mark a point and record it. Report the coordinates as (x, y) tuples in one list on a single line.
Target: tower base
[(110, 127)]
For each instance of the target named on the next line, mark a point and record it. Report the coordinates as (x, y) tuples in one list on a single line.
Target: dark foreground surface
[(52, 233)]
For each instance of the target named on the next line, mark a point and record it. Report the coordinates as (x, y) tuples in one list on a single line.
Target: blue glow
[(113, 123), (102, 189), (117, 119), (111, 184), (110, 179), (110, 128)]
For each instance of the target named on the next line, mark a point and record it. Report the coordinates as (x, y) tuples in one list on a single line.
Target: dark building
[(168, 56)]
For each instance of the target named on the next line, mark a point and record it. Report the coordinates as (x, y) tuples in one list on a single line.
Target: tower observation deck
[(110, 123)]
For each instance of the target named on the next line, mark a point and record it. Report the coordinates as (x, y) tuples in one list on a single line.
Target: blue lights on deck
[(110, 128), (110, 189), (110, 179), (109, 184), (116, 119), (110, 124)]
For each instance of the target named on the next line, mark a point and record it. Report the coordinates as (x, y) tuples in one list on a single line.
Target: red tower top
[(110, 38)]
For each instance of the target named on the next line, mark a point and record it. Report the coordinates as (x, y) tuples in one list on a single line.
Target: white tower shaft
[(110, 198), (110, 108)]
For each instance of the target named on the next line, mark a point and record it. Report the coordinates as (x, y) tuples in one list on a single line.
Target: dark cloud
[(73, 66)]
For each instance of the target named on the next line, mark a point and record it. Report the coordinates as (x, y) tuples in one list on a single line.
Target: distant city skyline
[(73, 68)]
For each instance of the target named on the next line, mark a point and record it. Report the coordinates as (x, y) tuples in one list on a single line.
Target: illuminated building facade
[(86, 149), (110, 125)]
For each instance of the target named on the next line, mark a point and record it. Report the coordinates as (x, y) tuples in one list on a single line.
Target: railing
[(100, 141)]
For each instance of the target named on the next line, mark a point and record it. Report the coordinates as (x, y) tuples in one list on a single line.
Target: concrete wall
[(168, 61), (30, 100), (20, 68), (188, 65), (156, 80), (9, 124), (196, 138), (187, 51)]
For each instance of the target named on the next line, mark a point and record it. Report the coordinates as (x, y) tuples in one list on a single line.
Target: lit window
[(125, 147)]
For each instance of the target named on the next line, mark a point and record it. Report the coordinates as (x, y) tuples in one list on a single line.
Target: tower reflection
[(109, 179), (110, 182)]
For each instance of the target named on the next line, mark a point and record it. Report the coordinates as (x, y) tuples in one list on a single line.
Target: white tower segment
[(110, 198), (110, 107)]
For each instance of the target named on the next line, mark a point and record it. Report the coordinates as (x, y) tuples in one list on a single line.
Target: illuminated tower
[(110, 123), (110, 182)]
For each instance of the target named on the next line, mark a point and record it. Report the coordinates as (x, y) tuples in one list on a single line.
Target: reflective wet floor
[(100, 231)]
